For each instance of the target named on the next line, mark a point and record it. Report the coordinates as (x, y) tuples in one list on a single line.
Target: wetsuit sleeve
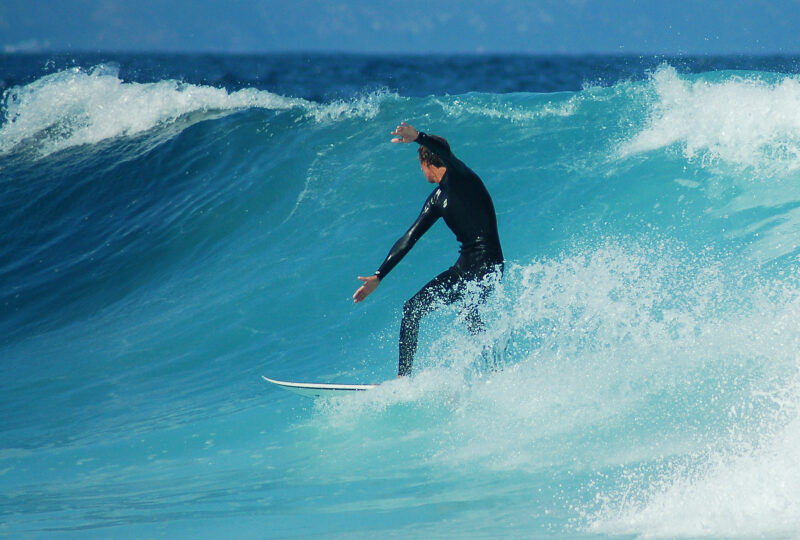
[(441, 151), (427, 217)]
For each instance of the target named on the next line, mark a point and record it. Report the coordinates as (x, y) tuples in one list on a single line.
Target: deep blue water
[(173, 227)]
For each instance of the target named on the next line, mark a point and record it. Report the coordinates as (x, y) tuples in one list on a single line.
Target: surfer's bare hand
[(405, 133), (370, 284)]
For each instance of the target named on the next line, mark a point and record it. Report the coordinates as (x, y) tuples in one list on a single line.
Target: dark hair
[(428, 157)]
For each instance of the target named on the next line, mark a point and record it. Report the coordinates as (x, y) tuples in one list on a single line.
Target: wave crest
[(741, 120), (76, 107)]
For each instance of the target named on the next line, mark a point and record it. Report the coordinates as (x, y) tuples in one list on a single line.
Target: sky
[(396, 26)]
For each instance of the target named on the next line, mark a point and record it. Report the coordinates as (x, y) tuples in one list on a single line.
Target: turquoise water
[(166, 243)]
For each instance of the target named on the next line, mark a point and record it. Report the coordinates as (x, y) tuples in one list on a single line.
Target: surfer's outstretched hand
[(405, 133), (370, 284)]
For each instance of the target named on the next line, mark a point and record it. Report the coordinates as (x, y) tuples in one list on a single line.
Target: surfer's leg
[(474, 322), (441, 290), (475, 325), (484, 281)]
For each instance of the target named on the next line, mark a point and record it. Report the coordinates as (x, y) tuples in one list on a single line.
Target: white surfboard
[(315, 390)]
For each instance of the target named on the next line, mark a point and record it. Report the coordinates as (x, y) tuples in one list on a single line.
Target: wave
[(750, 120), (78, 107), (640, 369), (645, 326), (747, 491), (745, 119)]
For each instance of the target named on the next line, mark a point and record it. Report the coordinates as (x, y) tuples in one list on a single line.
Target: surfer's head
[(426, 157)]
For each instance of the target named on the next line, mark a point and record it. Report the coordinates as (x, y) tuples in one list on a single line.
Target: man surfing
[(461, 199)]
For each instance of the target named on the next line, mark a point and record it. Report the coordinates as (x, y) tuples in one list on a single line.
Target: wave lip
[(745, 121), (76, 107)]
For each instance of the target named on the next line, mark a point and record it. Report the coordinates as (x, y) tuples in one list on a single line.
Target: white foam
[(744, 121), (747, 483), (77, 107), (592, 341), (365, 106), (511, 111), (616, 356), (755, 493)]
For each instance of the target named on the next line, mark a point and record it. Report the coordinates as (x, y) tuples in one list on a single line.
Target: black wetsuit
[(463, 202)]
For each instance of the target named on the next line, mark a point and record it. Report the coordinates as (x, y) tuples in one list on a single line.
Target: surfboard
[(315, 390)]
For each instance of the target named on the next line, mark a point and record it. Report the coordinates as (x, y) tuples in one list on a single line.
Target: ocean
[(172, 227)]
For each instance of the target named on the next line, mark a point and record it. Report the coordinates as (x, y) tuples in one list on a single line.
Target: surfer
[(461, 199)]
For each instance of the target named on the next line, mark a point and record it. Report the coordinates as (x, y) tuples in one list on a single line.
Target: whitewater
[(166, 241)]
